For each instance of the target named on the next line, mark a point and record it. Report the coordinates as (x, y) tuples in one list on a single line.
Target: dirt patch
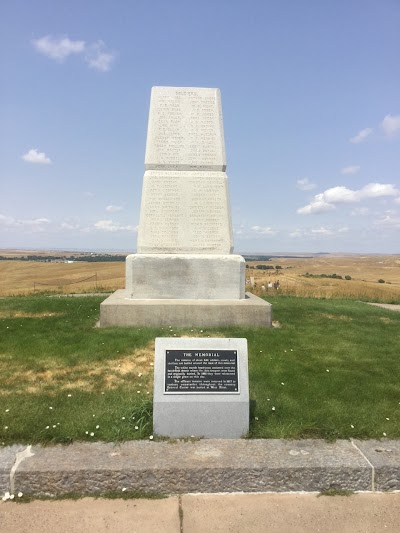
[(337, 317), (9, 313), (136, 368)]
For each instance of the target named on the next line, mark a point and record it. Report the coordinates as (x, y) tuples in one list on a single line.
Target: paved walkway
[(391, 307), (210, 513)]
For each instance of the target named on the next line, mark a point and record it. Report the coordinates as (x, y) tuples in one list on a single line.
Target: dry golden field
[(23, 277), (365, 271)]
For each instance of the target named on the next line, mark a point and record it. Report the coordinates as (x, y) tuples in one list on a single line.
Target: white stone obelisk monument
[(184, 272)]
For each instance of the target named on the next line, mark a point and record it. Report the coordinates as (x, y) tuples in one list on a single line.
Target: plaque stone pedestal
[(184, 272), (201, 388)]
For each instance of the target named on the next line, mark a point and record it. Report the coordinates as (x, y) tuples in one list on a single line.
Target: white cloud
[(58, 48), (89, 195), (389, 220), (109, 225), (96, 54), (114, 208), (259, 230), (361, 136), (316, 206), (27, 225), (327, 200), (339, 195), (305, 184), (33, 156), (69, 225), (375, 190), (352, 169), (99, 58), (391, 125), (315, 233), (297, 233), (321, 231)]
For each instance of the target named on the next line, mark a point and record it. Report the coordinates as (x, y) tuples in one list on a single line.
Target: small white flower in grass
[(268, 399), (151, 437), (11, 496), (282, 383), (69, 395), (273, 409), (50, 408), (5, 427), (123, 418), (124, 489), (94, 416), (327, 369), (102, 393), (384, 434), (256, 418), (136, 427), (140, 374), (285, 351), (147, 392), (291, 349), (92, 434), (351, 425), (20, 494), (138, 391), (260, 351), (133, 418), (47, 427), (387, 418), (7, 410), (151, 364), (54, 426), (6, 496), (97, 427), (87, 432), (201, 331)]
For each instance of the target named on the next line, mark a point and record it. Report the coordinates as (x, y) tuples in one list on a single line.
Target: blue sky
[(311, 107)]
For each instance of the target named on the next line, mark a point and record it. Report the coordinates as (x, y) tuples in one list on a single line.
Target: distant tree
[(347, 277), (278, 267), (381, 280)]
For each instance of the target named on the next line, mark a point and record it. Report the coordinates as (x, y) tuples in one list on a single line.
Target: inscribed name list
[(185, 130), (185, 212)]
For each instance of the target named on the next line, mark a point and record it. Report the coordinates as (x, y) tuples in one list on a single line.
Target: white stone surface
[(185, 276), (185, 212), (185, 129), (121, 310), (208, 415)]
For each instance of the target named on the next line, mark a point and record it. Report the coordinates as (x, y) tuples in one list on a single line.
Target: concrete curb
[(205, 466)]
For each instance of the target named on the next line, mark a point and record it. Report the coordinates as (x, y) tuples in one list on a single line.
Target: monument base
[(185, 277), (120, 310)]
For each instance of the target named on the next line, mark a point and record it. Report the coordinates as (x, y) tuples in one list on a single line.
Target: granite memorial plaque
[(195, 371)]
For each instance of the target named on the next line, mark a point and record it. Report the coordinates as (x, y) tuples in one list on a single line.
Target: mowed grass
[(331, 369)]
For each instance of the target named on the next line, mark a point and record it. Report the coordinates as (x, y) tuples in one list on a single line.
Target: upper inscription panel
[(185, 130)]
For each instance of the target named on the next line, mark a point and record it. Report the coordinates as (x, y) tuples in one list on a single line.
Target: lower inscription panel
[(201, 371)]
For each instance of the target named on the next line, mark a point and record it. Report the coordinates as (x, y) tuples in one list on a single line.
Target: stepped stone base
[(185, 276), (120, 309)]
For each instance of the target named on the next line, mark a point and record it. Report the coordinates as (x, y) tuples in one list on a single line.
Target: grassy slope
[(43, 359)]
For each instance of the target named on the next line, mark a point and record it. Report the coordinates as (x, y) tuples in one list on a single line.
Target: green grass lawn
[(332, 370)]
